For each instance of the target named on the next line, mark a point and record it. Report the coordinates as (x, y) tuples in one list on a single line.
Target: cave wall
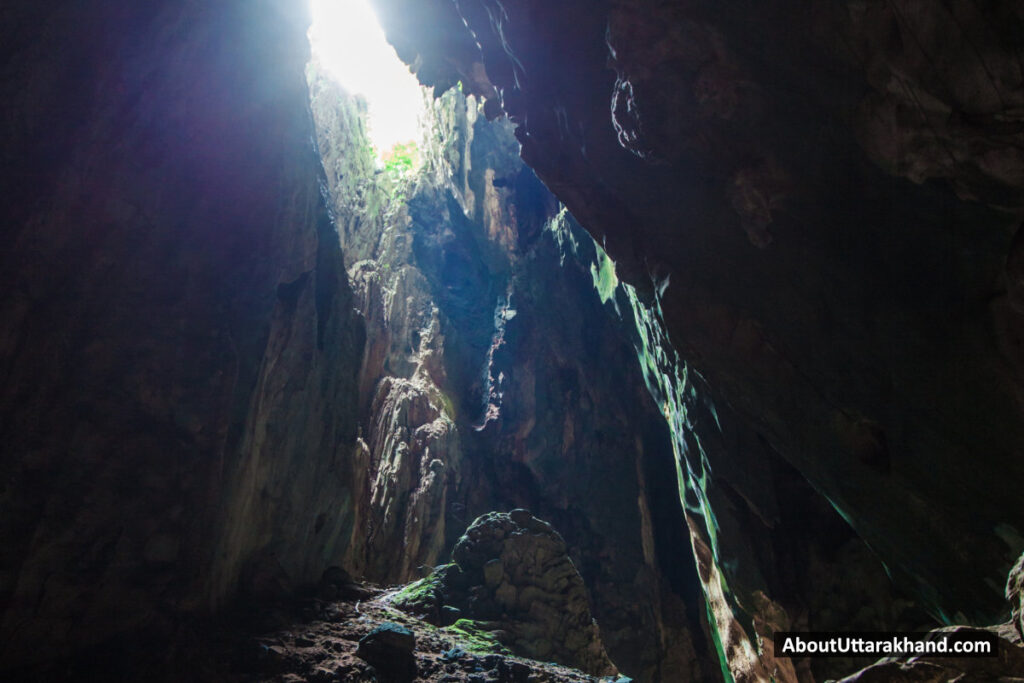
[(178, 335), (828, 195)]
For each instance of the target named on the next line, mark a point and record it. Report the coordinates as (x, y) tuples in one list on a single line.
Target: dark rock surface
[(493, 373), (389, 649), (1007, 666), (218, 381), (512, 575), (178, 333), (1015, 596)]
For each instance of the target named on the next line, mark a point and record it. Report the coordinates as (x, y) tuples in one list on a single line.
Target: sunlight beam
[(349, 44)]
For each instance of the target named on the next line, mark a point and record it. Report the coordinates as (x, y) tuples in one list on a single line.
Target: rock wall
[(178, 335)]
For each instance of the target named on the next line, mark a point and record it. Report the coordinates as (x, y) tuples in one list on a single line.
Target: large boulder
[(512, 575)]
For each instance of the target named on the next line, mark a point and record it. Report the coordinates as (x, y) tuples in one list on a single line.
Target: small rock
[(389, 649), (453, 654), (449, 615), (519, 670), (322, 675), (333, 614), (390, 636), (492, 661)]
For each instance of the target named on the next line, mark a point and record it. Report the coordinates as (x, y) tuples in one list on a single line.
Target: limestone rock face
[(409, 453), (512, 574), (1006, 666), (494, 374)]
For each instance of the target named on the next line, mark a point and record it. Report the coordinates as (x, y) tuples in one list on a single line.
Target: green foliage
[(401, 159)]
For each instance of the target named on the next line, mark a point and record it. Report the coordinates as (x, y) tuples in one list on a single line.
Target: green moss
[(474, 638), (605, 279), (420, 595)]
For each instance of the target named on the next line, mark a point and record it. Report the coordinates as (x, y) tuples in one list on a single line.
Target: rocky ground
[(512, 590), (369, 640), (357, 637)]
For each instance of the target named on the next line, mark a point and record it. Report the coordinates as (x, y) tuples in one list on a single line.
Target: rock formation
[(511, 574)]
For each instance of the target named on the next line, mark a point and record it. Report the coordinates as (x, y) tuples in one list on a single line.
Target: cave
[(672, 326)]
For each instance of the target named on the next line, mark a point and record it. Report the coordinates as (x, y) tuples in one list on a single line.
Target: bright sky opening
[(347, 40)]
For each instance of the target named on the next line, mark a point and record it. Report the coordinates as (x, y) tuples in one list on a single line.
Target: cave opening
[(348, 45)]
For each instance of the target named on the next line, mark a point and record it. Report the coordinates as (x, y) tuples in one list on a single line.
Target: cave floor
[(319, 642), (299, 639)]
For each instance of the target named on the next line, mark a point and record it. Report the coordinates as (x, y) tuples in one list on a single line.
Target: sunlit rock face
[(829, 197), (1006, 662), (500, 371), (494, 377)]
